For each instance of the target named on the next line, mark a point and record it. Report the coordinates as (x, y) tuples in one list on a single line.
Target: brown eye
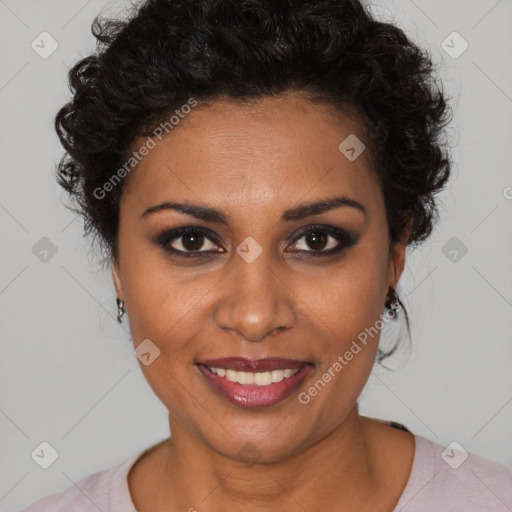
[(323, 240), (317, 240), (188, 241)]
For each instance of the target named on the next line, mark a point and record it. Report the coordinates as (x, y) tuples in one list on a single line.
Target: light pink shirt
[(477, 484)]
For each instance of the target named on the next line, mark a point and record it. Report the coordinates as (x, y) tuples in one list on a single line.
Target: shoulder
[(105, 490), (451, 479)]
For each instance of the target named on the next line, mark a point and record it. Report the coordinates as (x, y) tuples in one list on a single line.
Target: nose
[(255, 301)]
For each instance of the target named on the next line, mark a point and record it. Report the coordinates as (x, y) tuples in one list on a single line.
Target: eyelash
[(163, 239)]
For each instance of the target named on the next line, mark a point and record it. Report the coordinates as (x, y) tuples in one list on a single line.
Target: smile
[(254, 383)]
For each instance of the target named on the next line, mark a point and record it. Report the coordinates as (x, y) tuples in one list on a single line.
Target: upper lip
[(254, 365)]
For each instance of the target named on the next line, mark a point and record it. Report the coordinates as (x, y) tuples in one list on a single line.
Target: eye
[(196, 241), (323, 240), (188, 241)]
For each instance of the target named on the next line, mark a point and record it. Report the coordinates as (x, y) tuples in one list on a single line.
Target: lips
[(262, 390)]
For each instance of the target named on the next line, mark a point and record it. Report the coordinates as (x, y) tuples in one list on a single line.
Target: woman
[(254, 172)]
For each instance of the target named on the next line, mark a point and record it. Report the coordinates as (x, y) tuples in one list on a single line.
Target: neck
[(338, 466)]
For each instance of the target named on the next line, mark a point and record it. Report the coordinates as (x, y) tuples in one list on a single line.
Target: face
[(258, 283)]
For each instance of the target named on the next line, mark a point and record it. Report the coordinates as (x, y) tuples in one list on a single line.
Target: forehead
[(261, 153)]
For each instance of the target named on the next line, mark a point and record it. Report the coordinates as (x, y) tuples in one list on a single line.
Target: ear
[(397, 257), (117, 279)]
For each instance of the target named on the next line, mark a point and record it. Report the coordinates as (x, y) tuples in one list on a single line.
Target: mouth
[(254, 383)]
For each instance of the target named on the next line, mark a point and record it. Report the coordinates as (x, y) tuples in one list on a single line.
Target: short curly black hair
[(168, 51)]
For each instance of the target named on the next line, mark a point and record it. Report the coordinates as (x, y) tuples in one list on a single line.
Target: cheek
[(348, 337), (166, 311), (159, 301), (346, 307), (346, 299)]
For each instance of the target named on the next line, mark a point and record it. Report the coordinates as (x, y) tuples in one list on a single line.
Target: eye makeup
[(193, 238)]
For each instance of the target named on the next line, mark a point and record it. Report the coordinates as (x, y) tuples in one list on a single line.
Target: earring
[(120, 309), (394, 304)]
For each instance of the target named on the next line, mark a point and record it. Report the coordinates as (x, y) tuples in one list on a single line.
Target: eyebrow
[(292, 214)]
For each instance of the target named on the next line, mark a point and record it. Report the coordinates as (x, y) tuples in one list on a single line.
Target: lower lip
[(247, 395)]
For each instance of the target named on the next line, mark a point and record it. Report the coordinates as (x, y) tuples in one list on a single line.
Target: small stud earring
[(120, 310), (394, 304)]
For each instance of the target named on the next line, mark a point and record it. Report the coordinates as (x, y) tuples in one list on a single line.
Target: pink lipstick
[(254, 382)]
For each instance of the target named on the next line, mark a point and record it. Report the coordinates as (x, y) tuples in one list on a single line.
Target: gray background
[(68, 374)]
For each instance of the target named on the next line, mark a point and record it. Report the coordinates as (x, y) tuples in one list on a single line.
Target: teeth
[(263, 379), (232, 375), (254, 378), (278, 375), (245, 378)]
